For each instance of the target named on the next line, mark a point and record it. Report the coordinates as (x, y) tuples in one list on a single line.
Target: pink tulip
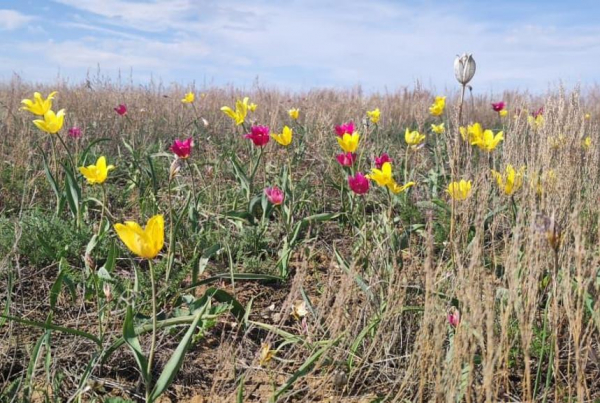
[(537, 113), (74, 132), (182, 149), (382, 159), (454, 317), (274, 195), (346, 159), (345, 128), (259, 135), (358, 183), (121, 109), (498, 106)]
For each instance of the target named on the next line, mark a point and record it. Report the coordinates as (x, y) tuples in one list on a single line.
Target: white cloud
[(12, 19)]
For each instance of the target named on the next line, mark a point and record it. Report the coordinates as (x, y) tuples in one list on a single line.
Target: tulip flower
[(96, 174), (498, 106), (294, 113), (182, 149), (241, 110), (147, 242), (454, 317), (472, 134), (374, 115), (259, 135), (265, 355), (510, 181), (359, 183), (464, 68), (74, 132), (395, 188), (38, 106), (459, 190), (346, 159), (437, 108), (349, 142), (188, 98), (383, 158), (488, 141), (382, 176), (52, 122), (587, 116), (274, 195), (503, 113), (346, 128), (252, 107), (587, 143), (438, 129), (285, 138), (413, 139), (299, 310), (121, 109), (536, 120)]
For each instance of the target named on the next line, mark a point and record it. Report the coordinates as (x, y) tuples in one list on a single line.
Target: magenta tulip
[(182, 149), (358, 183), (259, 135)]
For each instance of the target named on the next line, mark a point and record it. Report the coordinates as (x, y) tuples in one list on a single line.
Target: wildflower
[(510, 181), (349, 142), (274, 195), (395, 188), (285, 138), (587, 116), (346, 159), (265, 355), (346, 128), (259, 135), (38, 106), (437, 108), (439, 129), (587, 143), (414, 138), (374, 115), (557, 142), (299, 310), (52, 122), (383, 158), (551, 230), (188, 98), (382, 176), (453, 317), (488, 141), (241, 110), (182, 149), (472, 134), (74, 132), (459, 190), (464, 68), (96, 174), (294, 113), (503, 113), (535, 121), (121, 109), (175, 168), (543, 181), (359, 183), (147, 242), (498, 106), (252, 107)]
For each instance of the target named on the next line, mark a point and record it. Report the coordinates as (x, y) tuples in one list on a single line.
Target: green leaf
[(49, 326), (174, 364), (73, 192), (130, 337), (84, 154), (240, 174)]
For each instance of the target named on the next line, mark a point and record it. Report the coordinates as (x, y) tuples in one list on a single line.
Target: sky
[(381, 45)]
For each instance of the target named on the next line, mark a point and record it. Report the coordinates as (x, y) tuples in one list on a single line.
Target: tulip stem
[(170, 256), (102, 210), (154, 327), (460, 108)]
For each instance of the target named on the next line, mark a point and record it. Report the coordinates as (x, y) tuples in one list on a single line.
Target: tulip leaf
[(73, 193), (9, 290), (174, 364), (50, 326), (130, 337), (84, 154), (51, 179)]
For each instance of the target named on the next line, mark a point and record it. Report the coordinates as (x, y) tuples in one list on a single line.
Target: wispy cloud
[(12, 19)]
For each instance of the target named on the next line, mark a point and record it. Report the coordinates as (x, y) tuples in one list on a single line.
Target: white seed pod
[(464, 68)]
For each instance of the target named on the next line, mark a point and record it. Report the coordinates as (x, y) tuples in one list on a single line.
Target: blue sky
[(297, 45)]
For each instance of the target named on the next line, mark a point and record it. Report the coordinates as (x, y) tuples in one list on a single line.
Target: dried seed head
[(464, 68), (175, 167), (107, 291), (89, 261), (551, 230)]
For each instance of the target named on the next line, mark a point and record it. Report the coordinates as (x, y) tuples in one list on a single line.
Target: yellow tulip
[(503, 113), (285, 138), (294, 113), (459, 190), (413, 139), (349, 142), (265, 355), (587, 143), (510, 181), (252, 106), (439, 129), (382, 176), (188, 98), (147, 242), (438, 106), (473, 133), (241, 110), (374, 115), (535, 122), (395, 188), (488, 141), (96, 174), (38, 106), (52, 122)]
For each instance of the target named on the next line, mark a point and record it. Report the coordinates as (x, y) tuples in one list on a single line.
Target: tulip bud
[(107, 291), (464, 68), (175, 168)]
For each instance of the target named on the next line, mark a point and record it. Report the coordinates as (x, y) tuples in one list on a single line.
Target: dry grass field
[(481, 294)]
